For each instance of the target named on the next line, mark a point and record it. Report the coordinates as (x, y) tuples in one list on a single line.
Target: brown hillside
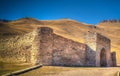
[(67, 28)]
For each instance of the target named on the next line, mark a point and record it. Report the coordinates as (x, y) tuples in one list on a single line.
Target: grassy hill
[(68, 28)]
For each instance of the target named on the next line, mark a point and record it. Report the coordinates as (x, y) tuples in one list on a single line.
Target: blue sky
[(87, 11)]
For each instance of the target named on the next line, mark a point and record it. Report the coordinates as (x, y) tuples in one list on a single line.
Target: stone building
[(98, 50), (57, 50), (43, 46)]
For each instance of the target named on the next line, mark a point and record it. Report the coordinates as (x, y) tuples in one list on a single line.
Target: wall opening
[(103, 58)]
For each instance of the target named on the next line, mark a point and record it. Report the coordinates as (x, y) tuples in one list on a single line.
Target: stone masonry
[(57, 50), (43, 46)]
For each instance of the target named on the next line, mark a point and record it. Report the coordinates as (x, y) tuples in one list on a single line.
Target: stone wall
[(90, 41), (57, 50), (103, 43), (95, 44), (43, 46), (67, 52), (16, 47)]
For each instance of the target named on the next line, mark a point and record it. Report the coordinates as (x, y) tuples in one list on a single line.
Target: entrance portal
[(103, 59)]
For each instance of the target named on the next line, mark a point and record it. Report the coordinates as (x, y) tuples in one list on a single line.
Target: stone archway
[(103, 58)]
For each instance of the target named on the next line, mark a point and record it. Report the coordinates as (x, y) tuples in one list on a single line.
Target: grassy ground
[(59, 71), (47, 70), (10, 67), (73, 71)]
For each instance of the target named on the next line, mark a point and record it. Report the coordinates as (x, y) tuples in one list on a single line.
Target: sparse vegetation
[(72, 71)]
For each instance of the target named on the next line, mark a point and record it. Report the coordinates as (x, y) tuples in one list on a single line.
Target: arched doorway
[(103, 59)]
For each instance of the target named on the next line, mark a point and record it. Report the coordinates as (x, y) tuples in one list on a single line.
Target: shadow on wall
[(90, 57), (103, 57), (113, 57)]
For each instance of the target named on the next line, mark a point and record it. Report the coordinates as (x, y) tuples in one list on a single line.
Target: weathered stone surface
[(16, 48), (103, 43), (90, 41), (56, 50), (96, 43), (43, 46), (68, 52), (46, 46)]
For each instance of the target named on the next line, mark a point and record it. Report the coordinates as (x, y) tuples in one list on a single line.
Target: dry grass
[(46, 70), (72, 71), (10, 67)]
